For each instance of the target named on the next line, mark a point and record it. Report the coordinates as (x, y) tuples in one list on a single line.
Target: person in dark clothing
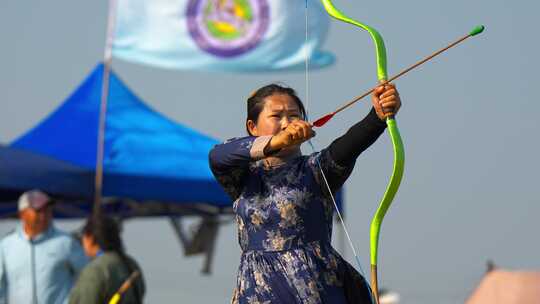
[(282, 203), (110, 267)]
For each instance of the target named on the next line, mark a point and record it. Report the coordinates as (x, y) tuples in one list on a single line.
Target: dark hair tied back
[(106, 232), (255, 102)]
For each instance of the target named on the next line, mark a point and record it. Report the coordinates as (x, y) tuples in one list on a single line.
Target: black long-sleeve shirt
[(358, 138)]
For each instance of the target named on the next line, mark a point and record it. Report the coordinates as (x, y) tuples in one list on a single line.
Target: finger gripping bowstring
[(399, 154)]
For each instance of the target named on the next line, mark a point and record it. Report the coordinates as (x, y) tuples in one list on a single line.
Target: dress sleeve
[(337, 160), (334, 174), (230, 161), (358, 138)]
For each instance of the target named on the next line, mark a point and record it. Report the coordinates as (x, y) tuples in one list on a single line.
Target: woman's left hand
[(386, 101)]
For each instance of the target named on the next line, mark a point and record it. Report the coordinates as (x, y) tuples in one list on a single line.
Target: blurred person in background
[(38, 262), (110, 267)]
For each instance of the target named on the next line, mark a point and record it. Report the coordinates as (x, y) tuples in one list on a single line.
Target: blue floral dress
[(284, 217)]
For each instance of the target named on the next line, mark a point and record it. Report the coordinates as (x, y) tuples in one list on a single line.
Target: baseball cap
[(34, 199)]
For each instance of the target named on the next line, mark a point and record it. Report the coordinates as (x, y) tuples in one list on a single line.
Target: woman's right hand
[(297, 132)]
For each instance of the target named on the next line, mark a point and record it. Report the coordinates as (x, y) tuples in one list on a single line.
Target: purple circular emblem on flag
[(227, 28)]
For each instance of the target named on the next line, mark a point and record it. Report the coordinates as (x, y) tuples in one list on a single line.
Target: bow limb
[(389, 194), (380, 49), (397, 144)]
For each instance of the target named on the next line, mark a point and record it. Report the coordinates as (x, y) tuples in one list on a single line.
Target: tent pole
[(176, 223), (107, 61)]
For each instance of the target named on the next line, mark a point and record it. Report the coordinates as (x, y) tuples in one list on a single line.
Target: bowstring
[(307, 88)]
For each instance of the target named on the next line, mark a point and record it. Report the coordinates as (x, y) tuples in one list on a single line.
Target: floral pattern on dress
[(284, 218)]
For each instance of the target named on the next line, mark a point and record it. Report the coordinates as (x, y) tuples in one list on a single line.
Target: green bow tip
[(477, 30)]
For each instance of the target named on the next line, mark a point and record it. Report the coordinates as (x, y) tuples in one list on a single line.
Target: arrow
[(324, 119)]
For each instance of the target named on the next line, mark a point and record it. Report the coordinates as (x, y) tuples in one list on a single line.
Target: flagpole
[(107, 62)]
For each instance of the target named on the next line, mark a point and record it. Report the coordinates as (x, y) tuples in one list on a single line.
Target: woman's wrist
[(272, 147), (374, 118)]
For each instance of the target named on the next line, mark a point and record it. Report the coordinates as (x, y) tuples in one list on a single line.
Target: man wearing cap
[(38, 262)]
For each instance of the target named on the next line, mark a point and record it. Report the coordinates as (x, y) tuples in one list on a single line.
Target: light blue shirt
[(39, 271)]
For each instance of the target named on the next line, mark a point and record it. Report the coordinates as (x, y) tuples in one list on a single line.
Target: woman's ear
[(252, 128)]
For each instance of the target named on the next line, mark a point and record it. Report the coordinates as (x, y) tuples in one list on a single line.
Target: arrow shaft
[(403, 72)]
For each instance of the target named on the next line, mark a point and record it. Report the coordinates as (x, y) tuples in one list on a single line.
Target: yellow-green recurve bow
[(399, 154)]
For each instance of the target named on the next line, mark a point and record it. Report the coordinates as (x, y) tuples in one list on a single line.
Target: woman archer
[(282, 203)]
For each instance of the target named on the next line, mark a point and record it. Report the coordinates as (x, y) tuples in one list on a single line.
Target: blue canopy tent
[(152, 166), (151, 163), (16, 166)]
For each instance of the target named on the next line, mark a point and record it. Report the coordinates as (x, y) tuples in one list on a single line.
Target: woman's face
[(278, 111)]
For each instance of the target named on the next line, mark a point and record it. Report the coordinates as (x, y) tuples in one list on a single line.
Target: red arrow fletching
[(323, 120)]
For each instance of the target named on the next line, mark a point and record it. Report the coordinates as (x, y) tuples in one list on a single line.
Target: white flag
[(222, 35)]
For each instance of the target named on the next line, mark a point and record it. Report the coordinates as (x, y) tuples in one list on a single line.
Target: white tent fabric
[(507, 287)]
